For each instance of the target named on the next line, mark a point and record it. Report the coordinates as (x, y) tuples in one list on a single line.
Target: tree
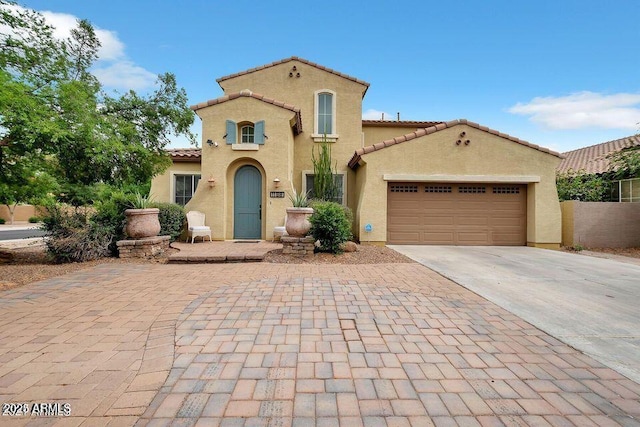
[(582, 186), (53, 111), (25, 182), (625, 164)]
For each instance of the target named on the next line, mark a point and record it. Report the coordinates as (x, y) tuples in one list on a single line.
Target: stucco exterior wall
[(300, 92), (21, 214), (274, 160), (375, 134), (600, 224), (162, 185), (486, 155)]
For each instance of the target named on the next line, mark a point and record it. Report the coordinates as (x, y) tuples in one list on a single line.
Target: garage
[(456, 214)]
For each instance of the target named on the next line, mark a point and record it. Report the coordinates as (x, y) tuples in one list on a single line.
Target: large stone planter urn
[(298, 224), (142, 223)]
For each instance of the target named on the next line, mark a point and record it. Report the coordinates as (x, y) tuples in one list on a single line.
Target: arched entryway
[(247, 203)]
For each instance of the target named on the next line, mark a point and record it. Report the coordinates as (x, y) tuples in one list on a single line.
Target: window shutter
[(258, 132), (231, 132)]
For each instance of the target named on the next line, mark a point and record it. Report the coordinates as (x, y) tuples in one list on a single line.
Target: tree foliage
[(625, 164), (582, 186), (55, 117)]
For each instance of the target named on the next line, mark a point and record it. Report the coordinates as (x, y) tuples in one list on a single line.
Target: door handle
[(260, 213)]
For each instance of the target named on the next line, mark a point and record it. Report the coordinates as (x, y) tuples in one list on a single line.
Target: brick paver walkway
[(290, 345)]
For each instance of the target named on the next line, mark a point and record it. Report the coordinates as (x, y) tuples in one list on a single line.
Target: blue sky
[(562, 74)]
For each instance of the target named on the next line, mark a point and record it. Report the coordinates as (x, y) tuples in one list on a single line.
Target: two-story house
[(406, 182)]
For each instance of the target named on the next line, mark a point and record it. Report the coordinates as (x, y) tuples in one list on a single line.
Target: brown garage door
[(456, 214)]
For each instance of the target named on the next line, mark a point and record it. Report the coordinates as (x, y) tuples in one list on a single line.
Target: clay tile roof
[(594, 159), (401, 123), (353, 163), (185, 154), (295, 58), (249, 94)]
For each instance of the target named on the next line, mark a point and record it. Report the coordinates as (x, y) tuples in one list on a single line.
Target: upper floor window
[(247, 133), (325, 117)]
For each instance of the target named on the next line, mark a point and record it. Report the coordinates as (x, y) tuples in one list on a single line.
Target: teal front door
[(247, 203)]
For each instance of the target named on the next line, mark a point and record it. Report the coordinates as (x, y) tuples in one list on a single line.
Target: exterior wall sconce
[(276, 182), (212, 143), (211, 181)]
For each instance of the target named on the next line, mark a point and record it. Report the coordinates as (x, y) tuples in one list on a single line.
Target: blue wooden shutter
[(231, 132), (258, 132)]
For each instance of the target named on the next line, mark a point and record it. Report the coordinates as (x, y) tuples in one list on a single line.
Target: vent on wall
[(506, 190), (404, 188), (437, 189), (472, 189)]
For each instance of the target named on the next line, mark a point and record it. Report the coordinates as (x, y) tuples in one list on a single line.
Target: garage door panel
[(471, 238), (460, 214), (438, 237)]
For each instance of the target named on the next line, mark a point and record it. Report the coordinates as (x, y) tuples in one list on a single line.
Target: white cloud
[(113, 68), (111, 47), (125, 75), (583, 110), (372, 114)]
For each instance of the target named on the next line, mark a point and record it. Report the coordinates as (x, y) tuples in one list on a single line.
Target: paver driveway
[(279, 345)]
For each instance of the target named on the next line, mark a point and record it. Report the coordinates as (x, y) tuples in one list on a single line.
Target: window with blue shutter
[(258, 136), (231, 132)]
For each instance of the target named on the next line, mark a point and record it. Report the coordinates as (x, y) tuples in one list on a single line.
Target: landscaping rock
[(350, 247)]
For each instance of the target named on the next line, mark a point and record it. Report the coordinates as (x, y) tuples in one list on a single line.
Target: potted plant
[(142, 220), (298, 224)]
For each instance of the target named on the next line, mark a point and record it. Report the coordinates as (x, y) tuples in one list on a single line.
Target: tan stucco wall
[(275, 82), (284, 155), (162, 185), (487, 154), (274, 159), (601, 224), (22, 213), (375, 134)]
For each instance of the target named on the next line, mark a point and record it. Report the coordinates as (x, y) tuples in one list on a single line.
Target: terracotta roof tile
[(401, 123), (594, 159), (438, 127), (249, 94), (185, 154), (294, 58)]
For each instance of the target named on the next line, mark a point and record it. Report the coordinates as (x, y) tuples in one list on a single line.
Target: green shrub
[(331, 225), (172, 218), (2, 221), (74, 237), (110, 215), (34, 220), (582, 186)]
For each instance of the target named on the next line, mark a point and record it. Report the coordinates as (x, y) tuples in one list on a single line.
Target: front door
[(247, 203)]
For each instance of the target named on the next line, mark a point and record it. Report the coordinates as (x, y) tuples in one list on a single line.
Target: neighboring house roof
[(353, 163), (294, 58), (247, 93), (595, 158), (403, 123), (185, 154)]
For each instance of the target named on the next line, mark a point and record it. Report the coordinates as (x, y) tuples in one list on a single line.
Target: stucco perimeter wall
[(487, 155), (22, 213), (600, 224), (274, 159), (162, 185)]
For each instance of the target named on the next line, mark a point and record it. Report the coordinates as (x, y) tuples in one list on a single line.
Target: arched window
[(247, 134), (325, 116)]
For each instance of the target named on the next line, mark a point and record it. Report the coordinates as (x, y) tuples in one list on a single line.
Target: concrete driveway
[(592, 304)]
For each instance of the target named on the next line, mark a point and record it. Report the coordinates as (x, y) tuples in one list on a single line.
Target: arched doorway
[(247, 203)]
